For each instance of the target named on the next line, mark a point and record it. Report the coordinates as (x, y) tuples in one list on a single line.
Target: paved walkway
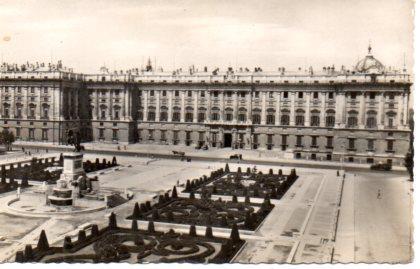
[(375, 223), (273, 157)]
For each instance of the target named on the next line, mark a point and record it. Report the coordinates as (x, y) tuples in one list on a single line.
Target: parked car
[(381, 166)]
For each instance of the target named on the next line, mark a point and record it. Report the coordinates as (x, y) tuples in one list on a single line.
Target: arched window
[(6, 110), (103, 109), (201, 114), (45, 110), (271, 116), (117, 112), (390, 119), (242, 114), (228, 114), (285, 117), (371, 119), (256, 116), (19, 107), (176, 114), (330, 118), (314, 118), (189, 114), (215, 114), (352, 119), (151, 114), (300, 117), (163, 113), (32, 109)]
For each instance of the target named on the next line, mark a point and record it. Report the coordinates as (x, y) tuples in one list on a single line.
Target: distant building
[(360, 115)]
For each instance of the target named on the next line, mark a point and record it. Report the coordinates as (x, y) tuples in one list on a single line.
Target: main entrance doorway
[(227, 140)]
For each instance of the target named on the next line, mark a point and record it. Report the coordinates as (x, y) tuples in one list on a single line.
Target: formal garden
[(203, 211), (40, 170), (117, 244), (246, 184)]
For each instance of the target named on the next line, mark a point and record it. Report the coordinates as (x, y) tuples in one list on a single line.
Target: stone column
[(400, 111), (128, 104), (235, 106), (25, 103), (249, 108), (308, 109), (264, 108), (195, 117), (222, 106), (170, 100), (157, 116), (76, 103), (12, 111), (95, 114), (109, 96), (339, 108), (405, 110), (278, 108), (38, 89), (323, 107), (362, 112), (292, 108), (182, 106), (146, 105), (61, 92), (123, 108), (381, 111), (208, 111)]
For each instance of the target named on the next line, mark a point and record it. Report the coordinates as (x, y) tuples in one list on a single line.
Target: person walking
[(379, 194)]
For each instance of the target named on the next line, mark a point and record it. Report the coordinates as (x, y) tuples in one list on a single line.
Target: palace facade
[(360, 115)]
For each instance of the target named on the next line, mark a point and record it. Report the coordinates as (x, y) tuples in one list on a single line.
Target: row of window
[(31, 133), (256, 94), (284, 140), (31, 111), (31, 89)]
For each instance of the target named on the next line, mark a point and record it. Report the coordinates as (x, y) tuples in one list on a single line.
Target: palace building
[(360, 114)]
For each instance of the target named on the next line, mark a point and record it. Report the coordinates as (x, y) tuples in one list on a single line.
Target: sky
[(122, 34)]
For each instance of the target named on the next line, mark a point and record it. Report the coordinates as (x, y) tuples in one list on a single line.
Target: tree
[(409, 157), (409, 164), (7, 138)]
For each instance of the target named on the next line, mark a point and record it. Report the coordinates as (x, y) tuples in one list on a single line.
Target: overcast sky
[(266, 33)]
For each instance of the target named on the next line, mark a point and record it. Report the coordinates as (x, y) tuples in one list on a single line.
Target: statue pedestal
[(73, 166)]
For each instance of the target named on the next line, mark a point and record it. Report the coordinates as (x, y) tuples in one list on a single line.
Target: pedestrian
[(379, 194), (338, 173)]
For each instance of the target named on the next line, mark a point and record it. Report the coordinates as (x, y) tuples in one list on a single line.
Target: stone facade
[(359, 115)]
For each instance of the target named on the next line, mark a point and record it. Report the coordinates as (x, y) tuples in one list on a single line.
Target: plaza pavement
[(261, 156), (301, 228)]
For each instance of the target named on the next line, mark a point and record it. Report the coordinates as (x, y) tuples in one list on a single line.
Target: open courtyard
[(324, 216)]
